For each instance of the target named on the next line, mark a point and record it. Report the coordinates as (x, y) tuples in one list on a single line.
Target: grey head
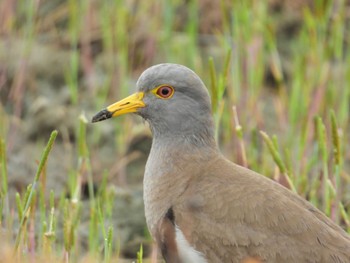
[(173, 100), (186, 112)]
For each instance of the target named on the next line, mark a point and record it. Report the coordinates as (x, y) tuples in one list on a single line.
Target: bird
[(200, 207)]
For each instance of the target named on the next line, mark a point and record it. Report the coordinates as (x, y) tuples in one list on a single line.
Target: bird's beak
[(127, 105)]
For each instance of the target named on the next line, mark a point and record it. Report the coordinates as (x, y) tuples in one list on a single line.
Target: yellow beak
[(127, 105)]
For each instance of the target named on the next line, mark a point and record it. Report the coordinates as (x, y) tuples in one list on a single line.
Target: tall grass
[(281, 107)]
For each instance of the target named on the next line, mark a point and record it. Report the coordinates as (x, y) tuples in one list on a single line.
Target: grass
[(281, 106)]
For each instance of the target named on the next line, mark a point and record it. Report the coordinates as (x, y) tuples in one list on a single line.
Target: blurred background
[(278, 66)]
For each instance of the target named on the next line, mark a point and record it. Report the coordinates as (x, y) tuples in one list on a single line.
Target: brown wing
[(238, 214)]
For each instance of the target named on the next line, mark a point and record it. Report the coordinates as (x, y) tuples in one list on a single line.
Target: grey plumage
[(226, 212)]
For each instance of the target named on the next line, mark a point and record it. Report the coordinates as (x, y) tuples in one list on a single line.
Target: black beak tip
[(102, 115)]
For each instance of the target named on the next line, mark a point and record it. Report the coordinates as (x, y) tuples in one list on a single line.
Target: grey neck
[(190, 141), (166, 166), (191, 133)]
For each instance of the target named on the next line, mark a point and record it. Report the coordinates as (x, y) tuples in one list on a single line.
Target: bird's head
[(172, 98)]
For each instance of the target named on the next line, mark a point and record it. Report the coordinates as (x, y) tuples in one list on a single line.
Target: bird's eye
[(165, 92)]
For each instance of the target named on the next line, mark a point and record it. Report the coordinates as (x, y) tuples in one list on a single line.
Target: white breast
[(187, 253)]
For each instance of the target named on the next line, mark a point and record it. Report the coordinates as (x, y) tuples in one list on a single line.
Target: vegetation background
[(278, 73)]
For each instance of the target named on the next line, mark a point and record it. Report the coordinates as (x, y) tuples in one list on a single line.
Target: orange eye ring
[(165, 92)]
